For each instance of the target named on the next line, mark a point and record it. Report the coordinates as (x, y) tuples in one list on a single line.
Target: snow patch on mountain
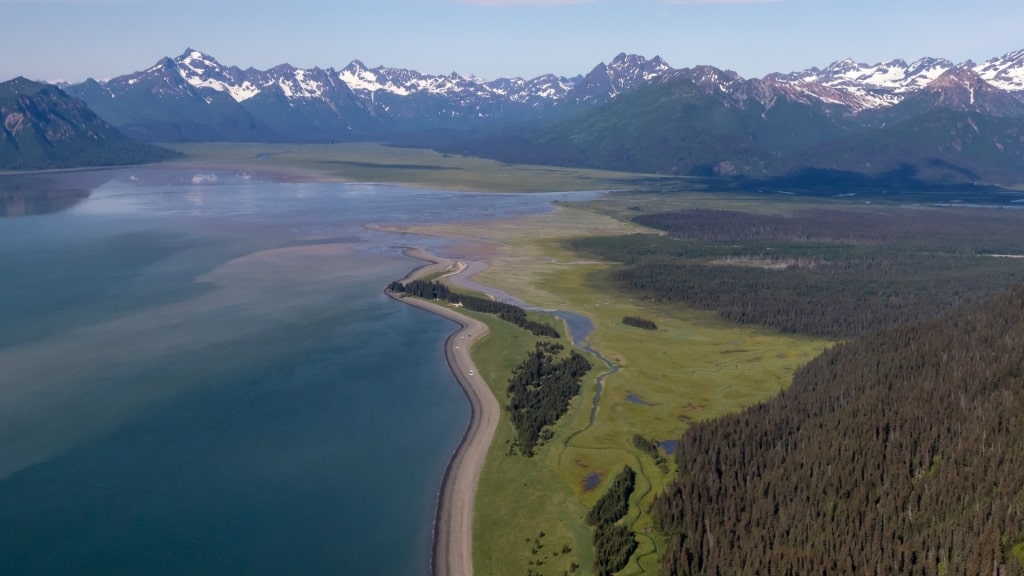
[(240, 92), (202, 71), (869, 86), (845, 86), (1005, 72), (359, 78)]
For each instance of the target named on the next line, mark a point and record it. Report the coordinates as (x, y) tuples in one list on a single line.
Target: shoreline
[(453, 522)]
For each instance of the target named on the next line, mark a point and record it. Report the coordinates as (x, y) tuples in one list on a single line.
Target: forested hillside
[(899, 453), (41, 127)]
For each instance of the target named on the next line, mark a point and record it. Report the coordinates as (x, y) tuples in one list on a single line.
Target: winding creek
[(580, 329)]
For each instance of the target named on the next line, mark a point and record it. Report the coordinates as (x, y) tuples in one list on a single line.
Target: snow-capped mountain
[(1005, 72), (355, 101), (867, 86), (624, 73), (876, 86), (195, 97)]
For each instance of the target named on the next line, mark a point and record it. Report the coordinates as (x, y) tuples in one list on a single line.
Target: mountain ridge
[(880, 84), (701, 120), (41, 127), (357, 102)]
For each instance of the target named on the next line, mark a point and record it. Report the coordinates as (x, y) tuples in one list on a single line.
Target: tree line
[(540, 390), (504, 311), (901, 452), (832, 299), (934, 229)]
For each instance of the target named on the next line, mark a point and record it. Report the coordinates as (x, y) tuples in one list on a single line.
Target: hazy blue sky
[(76, 39)]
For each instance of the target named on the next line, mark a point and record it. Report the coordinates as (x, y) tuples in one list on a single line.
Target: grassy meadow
[(517, 524), (693, 367)]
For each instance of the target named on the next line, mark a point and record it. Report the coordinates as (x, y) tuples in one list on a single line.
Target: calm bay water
[(199, 375)]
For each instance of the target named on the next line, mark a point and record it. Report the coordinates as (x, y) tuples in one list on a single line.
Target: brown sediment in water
[(453, 525)]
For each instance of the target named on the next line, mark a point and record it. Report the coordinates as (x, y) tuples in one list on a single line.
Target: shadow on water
[(36, 194)]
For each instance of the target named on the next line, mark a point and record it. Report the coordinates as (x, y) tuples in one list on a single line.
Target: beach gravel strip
[(453, 526)]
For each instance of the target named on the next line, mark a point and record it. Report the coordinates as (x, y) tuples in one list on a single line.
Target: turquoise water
[(199, 375)]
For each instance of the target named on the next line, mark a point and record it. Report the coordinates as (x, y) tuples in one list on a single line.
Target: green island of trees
[(540, 390), (507, 312), (614, 543), (637, 322)]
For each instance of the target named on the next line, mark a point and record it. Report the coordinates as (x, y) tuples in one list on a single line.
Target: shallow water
[(669, 446), (184, 391)]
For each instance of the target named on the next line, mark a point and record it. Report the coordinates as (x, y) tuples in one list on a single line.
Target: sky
[(71, 40)]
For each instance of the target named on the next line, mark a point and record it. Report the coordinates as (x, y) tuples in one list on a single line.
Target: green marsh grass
[(692, 368), (513, 505)]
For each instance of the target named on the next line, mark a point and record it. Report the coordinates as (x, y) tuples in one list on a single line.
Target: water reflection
[(28, 195)]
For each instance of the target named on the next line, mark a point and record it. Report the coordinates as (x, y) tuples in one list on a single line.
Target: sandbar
[(453, 525)]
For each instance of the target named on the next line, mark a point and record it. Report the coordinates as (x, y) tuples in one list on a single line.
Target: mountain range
[(194, 97), (930, 118), (360, 99)]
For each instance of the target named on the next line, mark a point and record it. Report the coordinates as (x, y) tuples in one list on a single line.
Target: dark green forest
[(898, 453), (637, 322), (614, 543), (540, 390), (832, 273), (614, 504)]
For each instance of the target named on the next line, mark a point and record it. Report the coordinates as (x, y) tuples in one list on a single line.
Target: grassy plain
[(371, 162), (693, 367)]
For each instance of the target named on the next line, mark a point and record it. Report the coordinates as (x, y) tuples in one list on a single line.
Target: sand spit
[(453, 527)]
